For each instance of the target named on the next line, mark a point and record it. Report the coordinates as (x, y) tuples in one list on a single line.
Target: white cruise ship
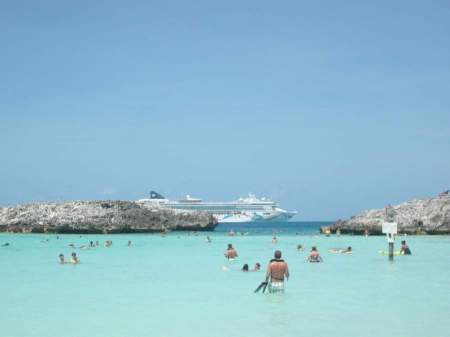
[(243, 210)]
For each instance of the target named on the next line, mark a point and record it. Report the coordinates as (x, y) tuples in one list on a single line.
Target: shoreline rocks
[(100, 217), (423, 216)]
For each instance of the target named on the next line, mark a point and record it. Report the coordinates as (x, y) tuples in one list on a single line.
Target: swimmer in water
[(314, 255), (61, 258), (257, 267), (245, 267), (274, 239), (129, 243), (230, 253), (300, 248), (72, 245), (347, 250), (231, 233), (74, 259), (5, 244), (404, 249), (208, 239)]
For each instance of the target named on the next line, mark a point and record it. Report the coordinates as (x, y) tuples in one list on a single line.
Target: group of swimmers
[(278, 270), (73, 260)]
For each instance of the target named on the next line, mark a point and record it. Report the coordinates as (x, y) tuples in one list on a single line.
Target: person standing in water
[(404, 249), (74, 259), (314, 255), (231, 253), (277, 271), (129, 243), (274, 239)]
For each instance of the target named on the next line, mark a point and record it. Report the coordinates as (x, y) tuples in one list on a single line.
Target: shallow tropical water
[(175, 286)]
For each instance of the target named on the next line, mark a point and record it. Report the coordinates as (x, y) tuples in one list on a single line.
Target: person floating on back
[(347, 250), (404, 249), (230, 253), (314, 255), (277, 271)]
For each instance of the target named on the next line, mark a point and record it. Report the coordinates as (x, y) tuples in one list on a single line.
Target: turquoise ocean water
[(176, 286)]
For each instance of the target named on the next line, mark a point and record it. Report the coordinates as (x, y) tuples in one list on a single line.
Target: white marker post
[(390, 229)]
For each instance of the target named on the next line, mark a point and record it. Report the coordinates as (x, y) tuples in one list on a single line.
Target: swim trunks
[(276, 287)]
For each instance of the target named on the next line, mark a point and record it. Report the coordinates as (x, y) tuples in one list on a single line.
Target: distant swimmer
[(404, 249), (245, 267), (6, 244), (108, 243), (74, 259), (277, 271), (274, 239), (231, 233), (314, 255), (72, 245), (347, 250), (231, 253), (257, 267), (129, 243), (91, 244), (208, 239), (97, 243), (300, 248), (61, 258)]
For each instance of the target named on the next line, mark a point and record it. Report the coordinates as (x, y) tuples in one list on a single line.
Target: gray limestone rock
[(104, 216), (424, 216)]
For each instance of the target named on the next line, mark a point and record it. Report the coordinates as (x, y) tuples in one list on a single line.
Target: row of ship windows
[(220, 208)]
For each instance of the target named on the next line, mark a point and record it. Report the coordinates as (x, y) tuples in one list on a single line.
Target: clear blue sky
[(328, 107)]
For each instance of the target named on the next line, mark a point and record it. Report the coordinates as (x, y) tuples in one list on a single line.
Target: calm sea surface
[(176, 286)]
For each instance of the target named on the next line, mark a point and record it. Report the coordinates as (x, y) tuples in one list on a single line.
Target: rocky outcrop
[(100, 217), (425, 216)]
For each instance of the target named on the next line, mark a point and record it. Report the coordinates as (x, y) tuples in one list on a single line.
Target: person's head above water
[(230, 246), (245, 267), (314, 248), (403, 242), (277, 254), (349, 248)]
